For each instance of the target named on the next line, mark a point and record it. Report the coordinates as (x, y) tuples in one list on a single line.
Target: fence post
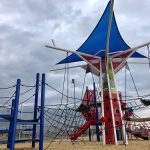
[(35, 109), (15, 115), (10, 125), (42, 113)]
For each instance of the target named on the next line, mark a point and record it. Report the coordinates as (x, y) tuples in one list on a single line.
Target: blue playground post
[(42, 113), (10, 125), (88, 108), (15, 115), (35, 109), (97, 118)]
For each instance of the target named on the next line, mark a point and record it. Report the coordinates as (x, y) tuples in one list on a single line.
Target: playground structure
[(14, 121), (105, 53), (102, 106)]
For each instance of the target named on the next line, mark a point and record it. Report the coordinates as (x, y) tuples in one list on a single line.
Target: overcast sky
[(27, 25)]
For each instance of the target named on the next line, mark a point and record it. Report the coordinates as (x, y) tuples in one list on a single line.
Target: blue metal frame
[(35, 109), (10, 125), (42, 113), (15, 115)]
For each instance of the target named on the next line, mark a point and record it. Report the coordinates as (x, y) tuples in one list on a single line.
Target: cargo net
[(62, 119), (138, 101)]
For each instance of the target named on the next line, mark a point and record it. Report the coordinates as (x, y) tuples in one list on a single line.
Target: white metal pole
[(74, 95), (79, 54), (107, 66), (70, 51), (125, 139), (112, 110), (71, 67), (108, 33), (102, 103), (132, 49)]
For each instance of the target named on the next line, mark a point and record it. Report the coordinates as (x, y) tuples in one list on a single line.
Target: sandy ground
[(66, 145)]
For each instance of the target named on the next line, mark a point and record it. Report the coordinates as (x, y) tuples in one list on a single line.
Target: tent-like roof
[(97, 40)]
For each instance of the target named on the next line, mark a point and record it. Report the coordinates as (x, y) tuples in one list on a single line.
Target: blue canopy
[(97, 40)]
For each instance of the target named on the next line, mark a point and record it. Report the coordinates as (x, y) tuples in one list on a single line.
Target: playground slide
[(80, 131)]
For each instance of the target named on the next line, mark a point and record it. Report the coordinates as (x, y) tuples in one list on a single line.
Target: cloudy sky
[(27, 25)]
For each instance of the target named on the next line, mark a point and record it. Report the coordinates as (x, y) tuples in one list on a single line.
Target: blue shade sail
[(97, 40)]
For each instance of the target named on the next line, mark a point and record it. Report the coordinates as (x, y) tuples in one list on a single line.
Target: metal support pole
[(42, 113), (20, 126), (10, 125), (102, 103), (88, 108), (35, 109), (107, 67), (75, 94), (75, 119), (108, 34), (97, 118), (79, 54), (125, 140), (73, 82), (111, 106), (15, 115)]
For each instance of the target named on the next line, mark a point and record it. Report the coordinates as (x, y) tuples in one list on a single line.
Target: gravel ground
[(79, 145)]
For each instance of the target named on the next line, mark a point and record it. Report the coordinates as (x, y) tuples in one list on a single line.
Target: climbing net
[(135, 102)]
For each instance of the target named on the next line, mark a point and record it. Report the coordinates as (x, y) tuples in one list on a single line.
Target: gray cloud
[(26, 26)]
